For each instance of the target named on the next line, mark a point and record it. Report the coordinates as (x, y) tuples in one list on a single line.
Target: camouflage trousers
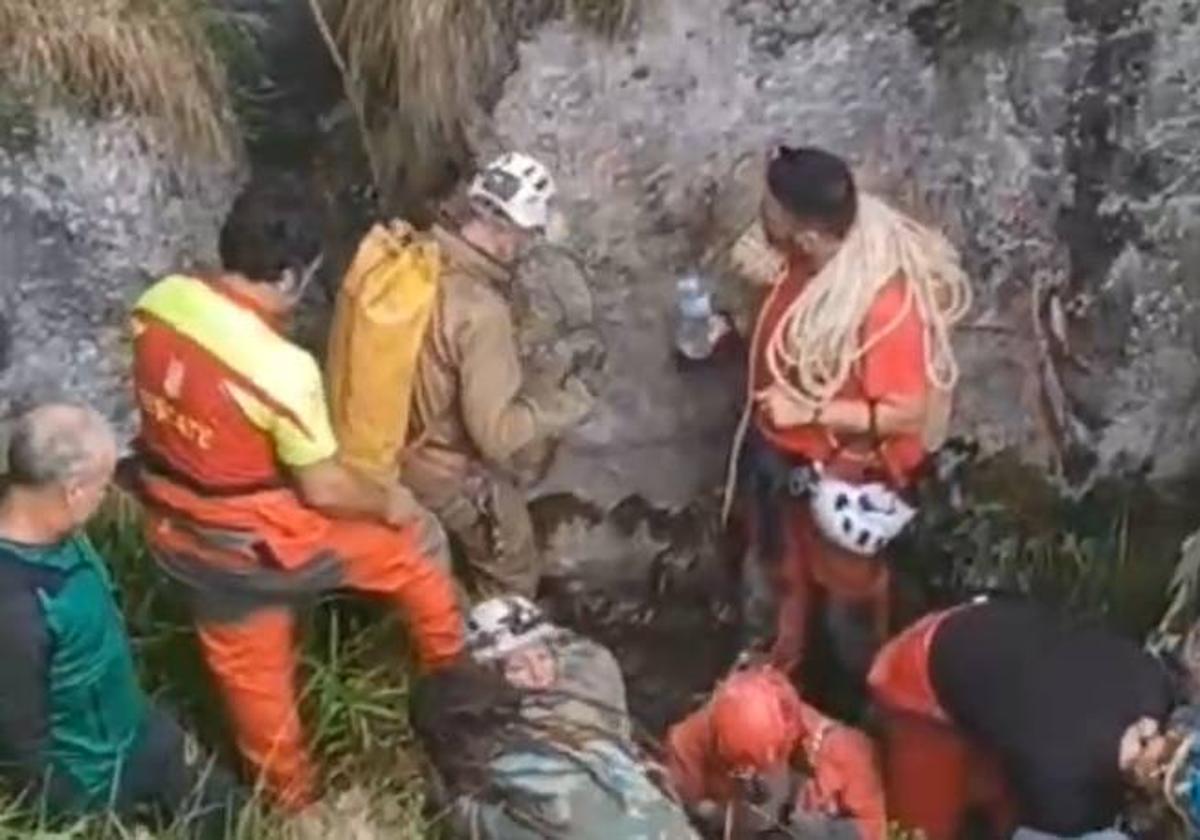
[(492, 537)]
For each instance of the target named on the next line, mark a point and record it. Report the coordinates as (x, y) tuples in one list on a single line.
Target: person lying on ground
[(475, 416), (759, 759), (1041, 722), (532, 739), (850, 370), (77, 733), (247, 505)]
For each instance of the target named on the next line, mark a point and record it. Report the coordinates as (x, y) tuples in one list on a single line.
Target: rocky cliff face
[(93, 210), (90, 213), (1051, 139)]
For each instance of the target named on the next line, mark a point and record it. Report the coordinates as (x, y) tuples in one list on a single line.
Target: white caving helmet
[(518, 188), (861, 518), (498, 626)]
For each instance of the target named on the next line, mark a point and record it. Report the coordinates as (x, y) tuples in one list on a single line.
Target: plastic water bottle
[(693, 329)]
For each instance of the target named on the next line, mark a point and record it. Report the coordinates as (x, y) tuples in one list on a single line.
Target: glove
[(566, 408), (587, 350), (579, 353)]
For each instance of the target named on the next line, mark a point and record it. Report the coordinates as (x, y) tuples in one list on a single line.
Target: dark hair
[(468, 714), (457, 712), (814, 186), (271, 226)]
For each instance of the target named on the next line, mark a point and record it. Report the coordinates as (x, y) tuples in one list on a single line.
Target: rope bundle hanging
[(819, 340)]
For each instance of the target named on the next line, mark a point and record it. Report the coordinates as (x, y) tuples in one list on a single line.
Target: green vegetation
[(18, 124), (417, 71), (152, 59), (997, 525), (354, 703)]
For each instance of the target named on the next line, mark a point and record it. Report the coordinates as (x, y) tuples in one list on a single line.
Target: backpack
[(379, 322)]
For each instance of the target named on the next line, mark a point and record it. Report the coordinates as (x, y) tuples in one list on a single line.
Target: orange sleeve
[(861, 786), (688, 744), (895, 363)]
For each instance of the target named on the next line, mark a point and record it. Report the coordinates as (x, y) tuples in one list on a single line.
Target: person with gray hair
[(76, 731), (55, 449)]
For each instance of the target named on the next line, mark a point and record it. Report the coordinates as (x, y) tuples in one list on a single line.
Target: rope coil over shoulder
[(818, 343)]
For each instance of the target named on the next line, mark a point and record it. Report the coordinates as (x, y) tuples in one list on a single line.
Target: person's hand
[(710, 816), (402, 506), (750, 658), (719, 326), (783, 410), (576, 401), (564, 408), (1141, 739)]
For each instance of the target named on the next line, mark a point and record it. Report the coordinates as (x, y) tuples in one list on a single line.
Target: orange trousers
[(814, 572), (933, 776), (253, 658)]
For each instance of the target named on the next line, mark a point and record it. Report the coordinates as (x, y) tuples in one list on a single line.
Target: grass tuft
[(354, 702), (355, 705), (418, 70), (152, 59)]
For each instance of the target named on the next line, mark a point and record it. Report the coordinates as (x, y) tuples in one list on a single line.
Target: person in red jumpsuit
[(757, 759), (1040, 722), (849, 370), (248, 505)]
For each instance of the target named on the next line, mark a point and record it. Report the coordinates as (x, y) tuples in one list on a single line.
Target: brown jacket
[(470, 400)]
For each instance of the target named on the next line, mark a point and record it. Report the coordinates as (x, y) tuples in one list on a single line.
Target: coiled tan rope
[(819, 339)]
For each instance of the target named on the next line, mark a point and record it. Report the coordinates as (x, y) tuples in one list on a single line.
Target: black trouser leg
[(170, 772)]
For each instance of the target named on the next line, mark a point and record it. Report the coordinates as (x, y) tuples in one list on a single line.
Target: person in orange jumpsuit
[(849, 370), (758, 758), (1041, 722), (247, 504)]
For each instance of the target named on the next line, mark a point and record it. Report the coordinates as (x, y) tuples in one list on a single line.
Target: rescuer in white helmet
[(474, 414)]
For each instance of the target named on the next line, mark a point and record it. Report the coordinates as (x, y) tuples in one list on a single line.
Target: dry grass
[(148, 58), (418, 70)]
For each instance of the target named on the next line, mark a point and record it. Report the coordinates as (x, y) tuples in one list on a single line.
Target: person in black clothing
[(1003, 704), (77, 734)]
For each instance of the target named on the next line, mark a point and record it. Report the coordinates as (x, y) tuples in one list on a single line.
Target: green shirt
[(79, 677)]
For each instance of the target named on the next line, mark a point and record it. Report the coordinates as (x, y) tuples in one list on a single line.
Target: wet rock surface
[(1049, 139), (90, 213)]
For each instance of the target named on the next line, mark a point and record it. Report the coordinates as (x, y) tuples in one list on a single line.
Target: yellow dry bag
[(383, 309)]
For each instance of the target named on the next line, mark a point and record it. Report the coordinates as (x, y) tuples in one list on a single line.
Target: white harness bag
[(861, 518)]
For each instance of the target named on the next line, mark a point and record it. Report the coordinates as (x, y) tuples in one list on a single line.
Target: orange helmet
[(756, 719)]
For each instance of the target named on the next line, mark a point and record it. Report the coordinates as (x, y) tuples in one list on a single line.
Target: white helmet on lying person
[(861, 518), (517, 188), (500, 626)]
